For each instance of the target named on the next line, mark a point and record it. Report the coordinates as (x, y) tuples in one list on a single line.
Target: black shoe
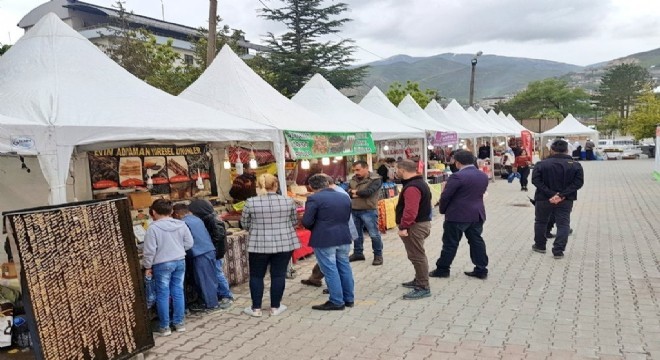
[(356, 257), (409, 284), (439, 274), (349, 304), (481, 276), (378, 260), (558, 255), (328, 306), (570, 231), (538, 249), (416, 294), (311, 283), (549, 235), (326, 291)]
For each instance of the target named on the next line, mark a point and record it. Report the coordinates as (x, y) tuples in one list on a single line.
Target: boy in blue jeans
[(165, 245)]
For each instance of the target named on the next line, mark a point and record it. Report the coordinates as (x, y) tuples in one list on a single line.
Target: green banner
[(306, 145)]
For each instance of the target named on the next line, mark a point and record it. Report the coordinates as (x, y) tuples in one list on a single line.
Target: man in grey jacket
[(165, 245), (364, 189)]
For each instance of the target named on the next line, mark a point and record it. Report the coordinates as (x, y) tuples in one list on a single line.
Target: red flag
[(527, 141)]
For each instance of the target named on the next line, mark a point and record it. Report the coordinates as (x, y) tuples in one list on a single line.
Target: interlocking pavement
[(602, 301)]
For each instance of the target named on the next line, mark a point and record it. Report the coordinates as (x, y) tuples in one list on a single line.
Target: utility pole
[(474, 67), (210, 48)]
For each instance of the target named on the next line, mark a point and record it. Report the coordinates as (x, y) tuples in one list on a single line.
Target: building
[(96, 24)]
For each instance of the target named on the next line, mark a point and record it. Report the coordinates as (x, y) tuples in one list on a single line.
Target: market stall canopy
[(56, 77), (435, 110), (502, 126), (21, 137), (459, 116), (396, 126), (341, 114), (516, 124), (232, 86), (410, 108), (570, 126)]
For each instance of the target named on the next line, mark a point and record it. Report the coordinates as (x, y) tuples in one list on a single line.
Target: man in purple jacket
[(462, 203)]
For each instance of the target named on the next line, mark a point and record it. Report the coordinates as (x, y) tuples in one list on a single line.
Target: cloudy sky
[(579, 32)]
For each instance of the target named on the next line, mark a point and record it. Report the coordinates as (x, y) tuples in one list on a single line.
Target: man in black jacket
[(413, 216), (557, 180)]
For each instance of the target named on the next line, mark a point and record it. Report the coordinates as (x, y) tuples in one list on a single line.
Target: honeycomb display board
[(82, 284)]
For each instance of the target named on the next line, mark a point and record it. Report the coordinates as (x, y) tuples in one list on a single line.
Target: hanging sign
[(307, 145), (527, 141), (401, 149), (444, 138), (163, 169)]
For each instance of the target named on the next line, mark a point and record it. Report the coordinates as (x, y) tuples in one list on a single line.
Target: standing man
[(164, 253), (326, 214), (462, 202), (363, 189), (413, 216), (557, 180), (589, 149)]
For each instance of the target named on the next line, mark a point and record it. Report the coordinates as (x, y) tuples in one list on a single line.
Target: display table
[(235, 264), (305, 249), (386, 214)]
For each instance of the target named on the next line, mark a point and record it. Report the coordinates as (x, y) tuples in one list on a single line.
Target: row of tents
[(60, 95)]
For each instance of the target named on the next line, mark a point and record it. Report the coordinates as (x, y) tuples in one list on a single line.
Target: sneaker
[(538, 249), (558, 255), (225, 303), (356, 257), (417, 293), (378, 260), (311, 283), (196, 308), (180, 328), (213, 310), (279, 310), (409, 284), (163, 332), (252, 312)]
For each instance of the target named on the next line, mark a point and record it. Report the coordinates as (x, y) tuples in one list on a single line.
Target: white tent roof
[(502, 125), (21, 137), (320, 97), (458, 115), (570, 126), (410, 108), (232, 86), (402, 126), (463, 129), (516, 124), (56, 77)]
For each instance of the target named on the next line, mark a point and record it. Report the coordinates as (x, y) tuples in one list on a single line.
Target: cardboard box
[(8, 271), (140, 200)]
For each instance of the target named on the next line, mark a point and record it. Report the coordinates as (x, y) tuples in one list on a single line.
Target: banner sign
[(172, 169), (444, 138), (527, 141), (401, 149), (306, 145)]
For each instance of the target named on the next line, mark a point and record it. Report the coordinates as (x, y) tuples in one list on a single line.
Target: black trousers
[(453, 232), (258, 265), (524, 175), (561, 212)]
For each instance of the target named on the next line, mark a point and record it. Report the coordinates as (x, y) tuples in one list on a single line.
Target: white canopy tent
[(464, 130), (56, 77), (409, 107), (516, 124), (570, 126), (456, 112), (398, 125), (232, 86), (500, 127)]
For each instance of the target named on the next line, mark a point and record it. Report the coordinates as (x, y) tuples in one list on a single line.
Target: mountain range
[(496, 76)]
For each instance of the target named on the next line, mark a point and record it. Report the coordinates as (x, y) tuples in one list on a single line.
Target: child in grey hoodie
[(165, 245)]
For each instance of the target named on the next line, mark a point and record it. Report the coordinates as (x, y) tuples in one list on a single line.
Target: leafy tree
[(547, 98), (646, 115), (397, 92), (610, 124), (621, 85), (224, 35), (3, 49), (301, 52)]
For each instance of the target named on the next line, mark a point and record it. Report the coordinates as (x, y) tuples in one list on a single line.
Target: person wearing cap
[(557, 180)]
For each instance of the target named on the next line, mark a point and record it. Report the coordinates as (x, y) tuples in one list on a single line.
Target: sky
[(579, 32)]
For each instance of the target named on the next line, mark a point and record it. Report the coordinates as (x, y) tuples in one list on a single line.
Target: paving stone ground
[(602, 301)]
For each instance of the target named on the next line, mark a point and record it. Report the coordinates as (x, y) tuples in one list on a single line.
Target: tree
[(620, 87), (547, 98), (397, 92), (646, 115), (4, 48), (300, 53), (137, 51)]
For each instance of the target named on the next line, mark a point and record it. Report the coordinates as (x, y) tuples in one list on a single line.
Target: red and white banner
[(404, 149), (527, 141)]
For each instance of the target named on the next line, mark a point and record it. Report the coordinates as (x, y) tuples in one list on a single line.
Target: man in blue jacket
[(462, 203), (557, 180), (202, 255), (327, 213)]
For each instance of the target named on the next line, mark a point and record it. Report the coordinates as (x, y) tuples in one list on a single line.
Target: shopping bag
[(512, 176), (150, 287)]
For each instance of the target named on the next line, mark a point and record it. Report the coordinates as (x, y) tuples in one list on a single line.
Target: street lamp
[(474, 66)]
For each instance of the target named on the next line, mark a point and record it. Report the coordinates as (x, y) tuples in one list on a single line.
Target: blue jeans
[(169, 282), (334, 264), (223, 284), (368, 218), (259, 264), (204, 274)]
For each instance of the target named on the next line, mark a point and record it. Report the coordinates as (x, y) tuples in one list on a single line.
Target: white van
[(619, 148)]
